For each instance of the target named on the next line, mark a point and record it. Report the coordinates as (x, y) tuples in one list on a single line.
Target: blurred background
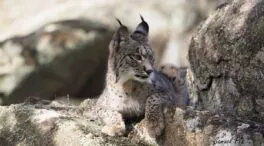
[(57, 49)]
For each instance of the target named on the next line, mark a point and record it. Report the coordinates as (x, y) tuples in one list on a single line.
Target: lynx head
[(130, 54)]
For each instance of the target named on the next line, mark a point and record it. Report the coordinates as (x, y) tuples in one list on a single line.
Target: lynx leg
[(114, 123), (154, 116)]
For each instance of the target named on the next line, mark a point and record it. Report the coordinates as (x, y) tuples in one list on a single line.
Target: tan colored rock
[(46, 123)]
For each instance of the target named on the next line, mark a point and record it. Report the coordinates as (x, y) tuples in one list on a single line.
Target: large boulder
[(227, 59), (58, 59)]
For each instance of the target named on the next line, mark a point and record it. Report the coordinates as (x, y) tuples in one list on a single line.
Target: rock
[(58, 59), (199, 128), (194, 100), (226, 57), (44, 122), (188, 127), (51, 123)]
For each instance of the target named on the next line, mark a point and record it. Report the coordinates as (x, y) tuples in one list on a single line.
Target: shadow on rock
[(66, 57)]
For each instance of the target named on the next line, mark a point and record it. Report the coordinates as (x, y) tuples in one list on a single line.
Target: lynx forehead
[(131, 55)]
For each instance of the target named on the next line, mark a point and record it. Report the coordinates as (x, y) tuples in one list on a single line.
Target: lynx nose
[(149, 71)]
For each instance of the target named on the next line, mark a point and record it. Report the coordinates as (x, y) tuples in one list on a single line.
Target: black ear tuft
[(141, 17), (119, 22)]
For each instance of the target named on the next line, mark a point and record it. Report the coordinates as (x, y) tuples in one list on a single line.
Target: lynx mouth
[(142, 76)]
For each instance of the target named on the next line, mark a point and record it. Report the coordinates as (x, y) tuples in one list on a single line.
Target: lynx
[(133, 87)]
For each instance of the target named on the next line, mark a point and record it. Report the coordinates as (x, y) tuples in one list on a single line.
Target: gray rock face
[(226, 57), (203, 128), (57, 59)]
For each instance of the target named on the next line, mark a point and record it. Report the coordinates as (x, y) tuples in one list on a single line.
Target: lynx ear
[(120, 35), (141, 32)]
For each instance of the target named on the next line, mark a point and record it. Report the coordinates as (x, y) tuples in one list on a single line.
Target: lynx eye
[(136, 57)]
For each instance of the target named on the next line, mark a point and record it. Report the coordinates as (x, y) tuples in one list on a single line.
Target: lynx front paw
[(114, 130), (141, 133), (155, 127)]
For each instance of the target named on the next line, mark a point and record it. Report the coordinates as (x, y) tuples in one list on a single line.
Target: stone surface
[(58, 59), (226, 57), (45, 123), (200, 128)]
